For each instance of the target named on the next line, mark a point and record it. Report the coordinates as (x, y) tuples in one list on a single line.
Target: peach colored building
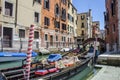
[(54, 23)]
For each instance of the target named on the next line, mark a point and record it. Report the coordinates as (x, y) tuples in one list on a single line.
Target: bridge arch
[(89, 40)]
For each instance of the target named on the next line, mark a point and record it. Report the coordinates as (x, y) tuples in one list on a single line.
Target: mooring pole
[(29, 52)]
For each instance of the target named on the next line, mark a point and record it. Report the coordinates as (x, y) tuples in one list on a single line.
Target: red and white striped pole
[(29, 52)]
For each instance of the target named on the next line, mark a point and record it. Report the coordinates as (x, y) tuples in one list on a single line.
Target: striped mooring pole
[(29, 52)]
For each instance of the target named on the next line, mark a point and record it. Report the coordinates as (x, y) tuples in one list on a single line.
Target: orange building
[(53, 23)]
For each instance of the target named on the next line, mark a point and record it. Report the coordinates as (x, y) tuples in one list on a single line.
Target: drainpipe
[(16, 12)]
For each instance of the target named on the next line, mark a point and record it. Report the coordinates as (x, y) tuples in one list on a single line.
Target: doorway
[(7, 37)]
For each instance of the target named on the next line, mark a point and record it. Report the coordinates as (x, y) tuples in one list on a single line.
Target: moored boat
[(68, 72), (54, 57), (52, 73), (14, 56)]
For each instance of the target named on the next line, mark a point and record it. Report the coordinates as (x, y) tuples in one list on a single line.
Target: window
[(46, 4), (46, 21), (63, 26), (68, 39), (82, 26), (63, 14), (72, 19), (56, 9), (46, 37), (36, 15), (68, 5), (56, 38), (82, 17), (68, 27), (72, 10), (38, 1), (8, 8), (107, 31), (36, 35), (63, 1), (68, 16), (107, 15), (21, 33), (62, 38), (82, 33), (113, 7), (57, 24), (114, 28)]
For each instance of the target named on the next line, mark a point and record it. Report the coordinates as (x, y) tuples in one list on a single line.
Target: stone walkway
[(107, 73)]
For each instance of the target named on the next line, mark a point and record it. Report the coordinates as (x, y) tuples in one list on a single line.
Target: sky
[(97, 6)]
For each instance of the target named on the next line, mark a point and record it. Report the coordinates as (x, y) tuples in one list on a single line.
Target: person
[(91, 48)]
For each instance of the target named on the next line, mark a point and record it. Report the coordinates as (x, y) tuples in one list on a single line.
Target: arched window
[(56, 9), (63, 14)]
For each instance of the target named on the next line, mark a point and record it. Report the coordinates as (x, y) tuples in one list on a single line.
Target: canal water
[(17, 63), (87, 74)]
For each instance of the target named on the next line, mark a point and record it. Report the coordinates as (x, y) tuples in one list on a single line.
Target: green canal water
[(17, 63), (87, 74)]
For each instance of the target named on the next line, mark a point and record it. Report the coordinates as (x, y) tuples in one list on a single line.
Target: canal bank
[(107, 73), (100, 72)]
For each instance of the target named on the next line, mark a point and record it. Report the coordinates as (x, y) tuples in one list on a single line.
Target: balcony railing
[(59, 44)]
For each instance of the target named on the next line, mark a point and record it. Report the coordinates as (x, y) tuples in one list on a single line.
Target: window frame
[(36, 35), (57, 10), (8, 10), (46, 21), (38, 16), (82, 25), (47, 4), (46, 37), (21, 34)]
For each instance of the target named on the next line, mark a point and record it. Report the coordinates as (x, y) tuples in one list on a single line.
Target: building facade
[(118, 24), (72, 24), (84, 26), (111, 25), (50, 19), (15, 18), (54, 23), (95, 29)]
